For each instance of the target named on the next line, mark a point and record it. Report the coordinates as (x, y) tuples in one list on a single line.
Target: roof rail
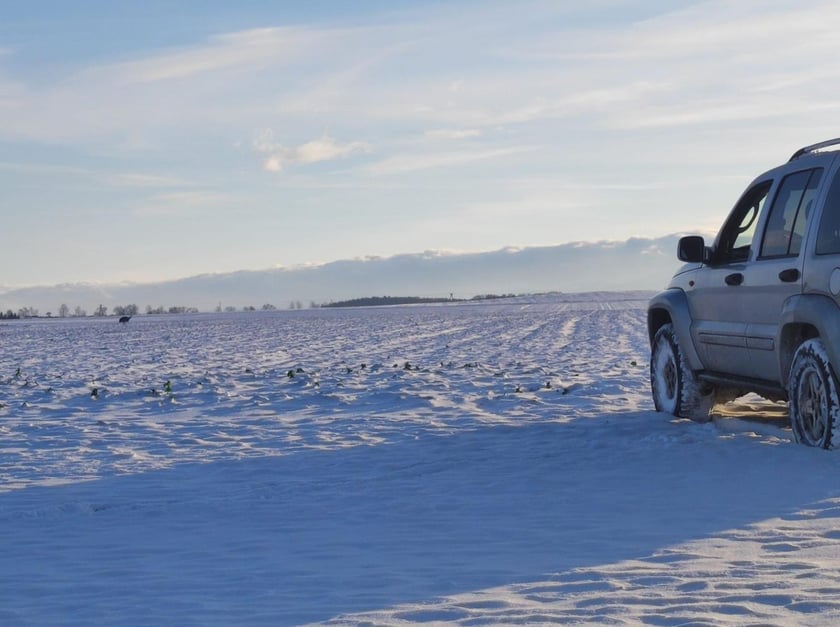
[(813, 147)]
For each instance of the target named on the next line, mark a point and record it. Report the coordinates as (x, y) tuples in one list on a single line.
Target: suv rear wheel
[(812, 390), (675, 388)]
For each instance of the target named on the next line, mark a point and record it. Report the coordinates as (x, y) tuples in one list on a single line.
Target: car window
[(828, 236), (736, 237), (789, 214)]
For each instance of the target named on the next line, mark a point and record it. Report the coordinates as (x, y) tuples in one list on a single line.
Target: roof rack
[(814, 147)]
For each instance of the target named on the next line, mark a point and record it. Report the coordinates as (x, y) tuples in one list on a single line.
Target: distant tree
[(249, 308), (230, 309), (125, 310), (63, 311), (101, 311), (28, 312), (268, 307), (78, 312)]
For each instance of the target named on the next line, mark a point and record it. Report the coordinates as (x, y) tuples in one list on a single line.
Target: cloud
[(325, 148), (673, 64), (230, 76), (12, 94), (221, 52), (191, 202), (751, 30), (719, 111), (446, 133), (137, 179), (411, 163), (509, 71), (43, 169), (218, 80), (714, 62)]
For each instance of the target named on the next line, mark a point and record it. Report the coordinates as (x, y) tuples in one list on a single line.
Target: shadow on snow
[(308, 536)]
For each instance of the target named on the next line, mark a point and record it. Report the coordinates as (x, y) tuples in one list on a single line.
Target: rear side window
[(828, 237), (789, 214)]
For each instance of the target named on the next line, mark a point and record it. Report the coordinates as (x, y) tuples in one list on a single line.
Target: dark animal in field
[(124, 319)]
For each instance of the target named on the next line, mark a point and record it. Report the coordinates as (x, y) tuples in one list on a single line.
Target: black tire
[(812, 392), (674, 386)]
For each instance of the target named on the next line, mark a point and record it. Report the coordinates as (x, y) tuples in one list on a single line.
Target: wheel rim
[(665, 377), (669, 377), (813, 406)]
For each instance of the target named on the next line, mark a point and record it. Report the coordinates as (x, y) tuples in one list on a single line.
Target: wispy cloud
[(46, 169), (138, 179), (403, 75), (451, 133), (411, 163), (325, 148), (718, 112), (222, 52), (179, 203), (380, 74)]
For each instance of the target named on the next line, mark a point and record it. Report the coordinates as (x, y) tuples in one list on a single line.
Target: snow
[(497, 462)]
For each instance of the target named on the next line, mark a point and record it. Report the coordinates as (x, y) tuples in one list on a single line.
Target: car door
[(719, 327), (776, 273)]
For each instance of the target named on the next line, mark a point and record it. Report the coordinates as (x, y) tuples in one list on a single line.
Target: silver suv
[(759, 309)]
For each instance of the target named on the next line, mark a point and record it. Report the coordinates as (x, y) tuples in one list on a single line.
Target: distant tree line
[(101, 311), (295, 304), (375, 301), (378, 301), (492, 296), (65, 311), (171, 310)]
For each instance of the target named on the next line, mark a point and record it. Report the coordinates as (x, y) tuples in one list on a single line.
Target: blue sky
[(157, 140)]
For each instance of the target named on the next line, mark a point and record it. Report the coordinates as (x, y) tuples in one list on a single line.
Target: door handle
[(790, 275), (734, 279)]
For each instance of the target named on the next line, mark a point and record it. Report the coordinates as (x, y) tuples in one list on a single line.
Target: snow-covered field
[(463, 464)]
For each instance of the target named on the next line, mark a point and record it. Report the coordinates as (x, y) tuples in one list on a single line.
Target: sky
[(157, 140)]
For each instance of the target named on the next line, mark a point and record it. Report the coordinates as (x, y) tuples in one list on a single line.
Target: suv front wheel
[(675, 388), (812, 390)]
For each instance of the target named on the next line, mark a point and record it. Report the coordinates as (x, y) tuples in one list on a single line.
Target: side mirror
[(691, 249)]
